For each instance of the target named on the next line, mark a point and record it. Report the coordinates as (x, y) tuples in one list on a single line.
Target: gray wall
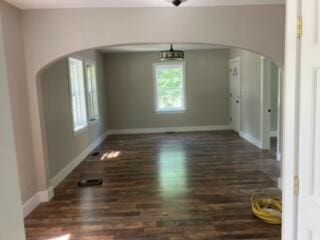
[(130, 90), (14, 55), (11, 220), (250, 91), (63, 145)]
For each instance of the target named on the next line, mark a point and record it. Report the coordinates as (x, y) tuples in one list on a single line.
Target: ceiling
[(47, 4), (159, 47)]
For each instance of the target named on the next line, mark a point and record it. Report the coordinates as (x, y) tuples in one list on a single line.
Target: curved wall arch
[(52, 34)]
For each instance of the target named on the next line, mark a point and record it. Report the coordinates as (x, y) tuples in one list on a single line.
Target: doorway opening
[(258, 81), (153, 169)]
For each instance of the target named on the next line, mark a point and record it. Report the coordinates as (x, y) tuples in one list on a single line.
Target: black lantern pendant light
[(171, 54)]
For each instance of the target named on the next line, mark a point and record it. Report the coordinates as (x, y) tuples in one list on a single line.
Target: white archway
[(51, 34)]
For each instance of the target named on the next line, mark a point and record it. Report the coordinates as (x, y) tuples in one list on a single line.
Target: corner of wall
[(47, 195), (251, 139)]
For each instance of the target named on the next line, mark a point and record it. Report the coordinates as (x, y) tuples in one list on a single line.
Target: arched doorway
[(114, 47), (164, 165)]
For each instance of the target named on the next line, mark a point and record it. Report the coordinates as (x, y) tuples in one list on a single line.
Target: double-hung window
[(170, 87), (92, 91), (78, 94)]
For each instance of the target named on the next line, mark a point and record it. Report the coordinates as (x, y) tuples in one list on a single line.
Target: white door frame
[(290, 123), (279, 113), (236, 59), (265, 102)]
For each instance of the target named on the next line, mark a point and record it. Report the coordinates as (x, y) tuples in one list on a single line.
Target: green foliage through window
[(170, 87)]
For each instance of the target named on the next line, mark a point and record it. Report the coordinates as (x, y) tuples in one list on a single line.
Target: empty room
[(159, 119), (159, 128)]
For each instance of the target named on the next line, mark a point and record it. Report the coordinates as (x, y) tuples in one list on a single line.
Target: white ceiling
[(45, 4), (159, 47)]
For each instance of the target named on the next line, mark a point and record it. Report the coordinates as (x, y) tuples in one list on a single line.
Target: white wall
[(259, 28), (250, 75), (274, 98), (67, 31), (250, 91), (11, 220), (14, 55)]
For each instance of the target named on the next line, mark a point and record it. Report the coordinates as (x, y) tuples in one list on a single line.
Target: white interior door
[(309, 132), (234, 78)]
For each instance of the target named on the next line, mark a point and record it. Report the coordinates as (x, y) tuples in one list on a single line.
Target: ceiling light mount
[(171, 54), (177, 3)]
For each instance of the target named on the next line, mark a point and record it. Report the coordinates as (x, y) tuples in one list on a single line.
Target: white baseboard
[(273, 134), (279, 156), (47, 195), (251, 139), (280, 183), (76, 161), (168, 129), (32, 203)]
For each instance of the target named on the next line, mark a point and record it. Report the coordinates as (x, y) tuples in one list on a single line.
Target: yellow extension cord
[(269, 209)]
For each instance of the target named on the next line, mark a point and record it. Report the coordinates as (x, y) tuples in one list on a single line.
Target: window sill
[(80, 130), (94, 122), (170, 111)]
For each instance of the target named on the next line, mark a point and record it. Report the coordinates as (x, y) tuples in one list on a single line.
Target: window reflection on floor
[(64, 237), (172, 170), (110, 155)]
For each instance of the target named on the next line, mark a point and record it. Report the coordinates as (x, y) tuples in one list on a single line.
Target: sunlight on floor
[(110, 155), (173, 175), (64, 237)]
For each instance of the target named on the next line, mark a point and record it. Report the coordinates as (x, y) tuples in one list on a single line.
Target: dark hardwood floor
[(162, 187)]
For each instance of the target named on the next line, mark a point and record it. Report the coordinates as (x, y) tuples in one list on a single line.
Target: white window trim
[(94, 122), (155, 87), (92, 62), (89, 123), (82, 129)]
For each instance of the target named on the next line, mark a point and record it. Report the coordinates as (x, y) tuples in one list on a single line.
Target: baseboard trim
[(76, 161), (251, 139), (47, 195), (280, 183), (279, 156), (168, 129), (32, 203)]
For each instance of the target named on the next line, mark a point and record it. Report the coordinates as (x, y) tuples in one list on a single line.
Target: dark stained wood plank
[(162, 187)]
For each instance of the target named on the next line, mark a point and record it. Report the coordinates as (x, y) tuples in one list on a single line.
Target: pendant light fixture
[(171, 54)]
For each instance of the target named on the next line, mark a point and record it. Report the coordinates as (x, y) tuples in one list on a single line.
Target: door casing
[(235, 95), (290, 123)]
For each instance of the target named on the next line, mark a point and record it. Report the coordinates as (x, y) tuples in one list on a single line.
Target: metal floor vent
[(171, 132), (90, 182), (95, 154)]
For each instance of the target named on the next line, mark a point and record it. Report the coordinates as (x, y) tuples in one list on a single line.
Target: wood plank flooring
[(190, 186)]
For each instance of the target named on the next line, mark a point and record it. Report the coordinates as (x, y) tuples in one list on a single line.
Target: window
[(170, 87), (78, 94), (92, 93)]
